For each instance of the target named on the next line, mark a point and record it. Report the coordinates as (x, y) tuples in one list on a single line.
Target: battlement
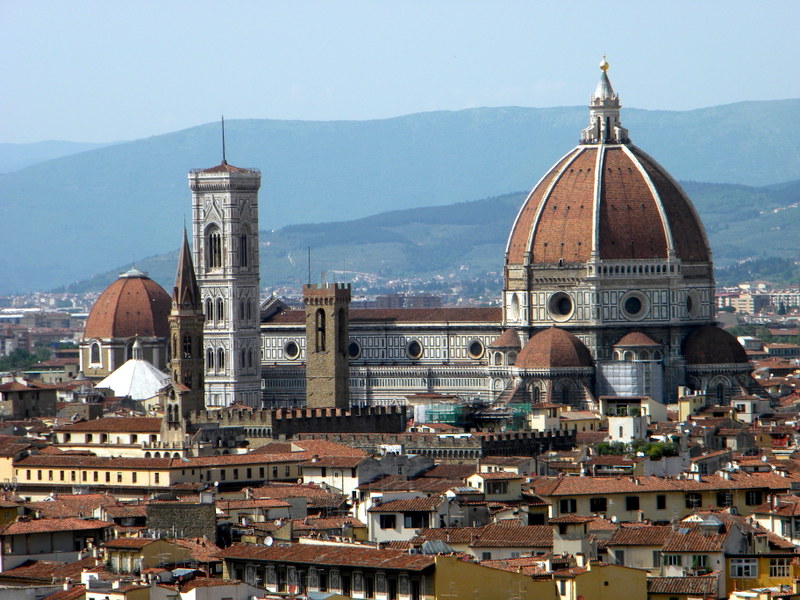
[(278, 422), (325, 293)]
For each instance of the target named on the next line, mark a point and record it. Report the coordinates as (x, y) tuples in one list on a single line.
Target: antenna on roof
[(309, 265), (224, 160)]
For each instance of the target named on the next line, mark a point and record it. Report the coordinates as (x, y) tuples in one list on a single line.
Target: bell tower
[(225, 232), (186, 334), (327, 338)]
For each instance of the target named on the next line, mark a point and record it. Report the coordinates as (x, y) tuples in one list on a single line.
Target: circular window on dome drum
[(560, 306), (353, 349), (692, 304), (414, 350), (634, 305), (475, 349), (291, 350)]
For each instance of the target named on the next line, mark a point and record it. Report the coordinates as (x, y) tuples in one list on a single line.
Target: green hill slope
[(468, 239), (83, 214)]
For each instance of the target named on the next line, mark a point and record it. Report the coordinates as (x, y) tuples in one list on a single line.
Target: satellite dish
[(216, 484), (269, 540)]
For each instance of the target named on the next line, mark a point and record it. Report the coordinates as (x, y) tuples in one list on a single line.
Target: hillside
[(468, 239), (18, 156), (81, 214)]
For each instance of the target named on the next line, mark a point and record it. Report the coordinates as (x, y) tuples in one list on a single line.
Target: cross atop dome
[(604, 124)]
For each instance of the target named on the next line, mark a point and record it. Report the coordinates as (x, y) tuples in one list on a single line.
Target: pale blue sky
[(102, 71)]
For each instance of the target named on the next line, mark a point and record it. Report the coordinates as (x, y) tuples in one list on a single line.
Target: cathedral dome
[(608, 200), (134, 305), (553, 348), (710, 345)]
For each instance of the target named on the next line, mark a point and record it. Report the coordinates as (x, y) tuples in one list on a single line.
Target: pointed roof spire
[(186, 292), (224, 159), (604, 123)]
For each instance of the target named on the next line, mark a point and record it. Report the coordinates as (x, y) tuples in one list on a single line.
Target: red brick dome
[(608, 200), (636, 339), (553, 348), (134, 305), (710, 345)]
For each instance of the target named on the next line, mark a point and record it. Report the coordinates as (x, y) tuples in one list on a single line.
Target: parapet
[(325, 292)]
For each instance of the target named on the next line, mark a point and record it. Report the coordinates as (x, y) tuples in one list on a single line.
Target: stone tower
[(186, 321), (327, 363), (225, 232)]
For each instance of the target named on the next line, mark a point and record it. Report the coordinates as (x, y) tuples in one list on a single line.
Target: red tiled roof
[(710, 345), (501, 476), (346, 556), (635, 339), (452, 471), (52, 525), (508, 339), (251, 503), (404, 315), (691, 586), (201, 549), (408, 505), (490, 536), (654, 535), (348, 462), (129, 543), (553, 348)]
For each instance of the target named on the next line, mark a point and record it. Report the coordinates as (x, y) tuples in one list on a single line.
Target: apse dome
[(711, 345), (554, 348), (132, 306)]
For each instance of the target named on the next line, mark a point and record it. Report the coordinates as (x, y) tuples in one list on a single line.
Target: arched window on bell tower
[(220, 310), (243, 250), (209, 310), (187, 346), (213, 248), (320, 330)]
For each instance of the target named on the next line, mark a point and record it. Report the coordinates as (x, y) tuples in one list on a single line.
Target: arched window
[(243, 250), (644, 355), (242, 359), (536, 394), (220, 310), (187, 381), (209, 310), (94, 353), (320, 330), (220, 360), (213, 248), (187, 346), (209, 360), (250, 359)]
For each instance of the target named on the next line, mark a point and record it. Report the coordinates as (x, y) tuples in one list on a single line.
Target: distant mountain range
[(17, 156), (77, 215), (468, 239)]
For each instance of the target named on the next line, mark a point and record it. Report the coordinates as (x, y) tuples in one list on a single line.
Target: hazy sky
[(112, 70)]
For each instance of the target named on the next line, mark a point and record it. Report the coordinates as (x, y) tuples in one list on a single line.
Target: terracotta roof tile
[(52, 525), (553, 348), (692, 586), (346, 556), (408, 505), (130, 306)]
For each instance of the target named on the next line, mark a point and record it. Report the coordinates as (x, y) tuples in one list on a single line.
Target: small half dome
[(554, 348), (636, 339), (710, 345), (508, 340)]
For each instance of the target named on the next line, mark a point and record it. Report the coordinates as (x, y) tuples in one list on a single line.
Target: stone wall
[(180, 519)]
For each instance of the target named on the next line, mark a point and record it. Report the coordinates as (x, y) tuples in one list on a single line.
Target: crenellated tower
[(327, 337), (225, 232)]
